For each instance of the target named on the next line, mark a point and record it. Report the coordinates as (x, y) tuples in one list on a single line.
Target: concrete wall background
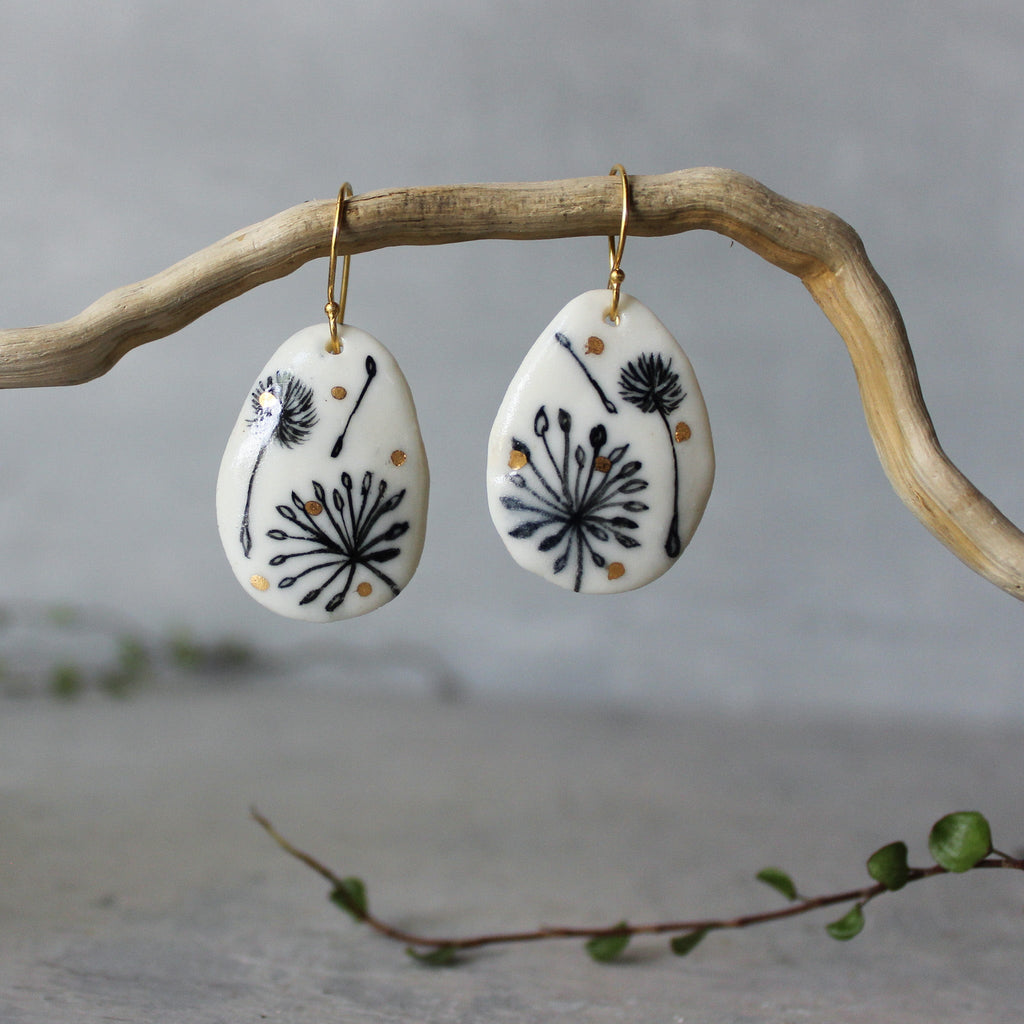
[(135, 133)]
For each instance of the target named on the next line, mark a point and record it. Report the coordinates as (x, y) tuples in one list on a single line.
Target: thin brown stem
[(802, 905)]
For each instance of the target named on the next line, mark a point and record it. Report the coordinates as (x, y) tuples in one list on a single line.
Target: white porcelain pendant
[(600, 460), (322, 492)]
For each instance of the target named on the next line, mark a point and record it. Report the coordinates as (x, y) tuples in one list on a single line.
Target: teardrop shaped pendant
[(322, 490), (600, 461)]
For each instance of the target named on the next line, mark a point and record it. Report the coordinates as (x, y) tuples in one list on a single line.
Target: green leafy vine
[(958, 843)]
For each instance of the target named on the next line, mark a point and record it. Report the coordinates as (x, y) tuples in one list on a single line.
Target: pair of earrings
[(599, 463)]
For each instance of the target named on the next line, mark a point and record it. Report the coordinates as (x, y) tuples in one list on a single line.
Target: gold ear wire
[(336, 310), (616, 275)]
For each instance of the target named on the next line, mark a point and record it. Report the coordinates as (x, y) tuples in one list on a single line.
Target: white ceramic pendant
[(322, 492), (600, 460)]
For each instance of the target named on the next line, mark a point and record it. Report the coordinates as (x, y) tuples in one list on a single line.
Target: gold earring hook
[(336, 310), (616, 275)]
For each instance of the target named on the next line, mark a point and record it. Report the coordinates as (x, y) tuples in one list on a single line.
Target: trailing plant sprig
[(958, 842)]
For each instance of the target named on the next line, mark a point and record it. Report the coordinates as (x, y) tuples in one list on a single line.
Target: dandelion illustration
[(340, 536), (566, 343), (282, 413), (576, 497), (371, 373), (652, 385)]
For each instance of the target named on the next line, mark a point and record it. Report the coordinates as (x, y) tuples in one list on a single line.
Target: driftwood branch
[(813, 244)]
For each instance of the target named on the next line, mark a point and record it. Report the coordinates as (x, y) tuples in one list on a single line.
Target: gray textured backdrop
[(134, 133)]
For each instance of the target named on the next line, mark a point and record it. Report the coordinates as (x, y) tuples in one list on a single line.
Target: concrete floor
[(135, 887)]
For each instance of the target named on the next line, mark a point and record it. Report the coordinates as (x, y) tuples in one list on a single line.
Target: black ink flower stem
[(371, 372), (245, 535), (283, 413), (652, 385), (673, 542), (567, 345)]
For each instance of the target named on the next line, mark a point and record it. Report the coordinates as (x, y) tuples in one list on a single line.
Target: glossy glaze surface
[(322, 491), (600, 460)]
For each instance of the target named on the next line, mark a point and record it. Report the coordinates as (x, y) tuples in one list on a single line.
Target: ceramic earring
[(600, 461), (322, 491)]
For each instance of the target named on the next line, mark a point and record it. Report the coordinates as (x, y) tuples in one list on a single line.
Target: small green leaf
[(67, 681), (889, 866), (443, 956), (605, 948), (959, 840), (63, 616), (184, 652), (132, 655), (350, 895), (779, 881), (687, 942), (849, 925)]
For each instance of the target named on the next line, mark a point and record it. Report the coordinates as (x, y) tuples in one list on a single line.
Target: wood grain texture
[(811, 243)]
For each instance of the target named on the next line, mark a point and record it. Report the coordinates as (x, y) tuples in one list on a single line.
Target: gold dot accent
[(338, 392), (517, 459), (364, 589), (602, 463), (616, 571), (595, 346), (683, 432), (258, 582), (398, 457), (314, 508), (267, 398)]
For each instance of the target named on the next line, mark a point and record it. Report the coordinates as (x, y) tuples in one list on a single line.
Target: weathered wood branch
[(813, 244)]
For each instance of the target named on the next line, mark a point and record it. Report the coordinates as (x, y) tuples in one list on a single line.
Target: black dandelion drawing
[(577, 498), (341, 536), (566, 343), (282, 413), (652, 385), (371, 373)]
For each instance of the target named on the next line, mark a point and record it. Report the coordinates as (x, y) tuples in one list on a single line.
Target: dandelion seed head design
[(354, 530), (282, 405), (574, 499), (650, 383), (282, 413)]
